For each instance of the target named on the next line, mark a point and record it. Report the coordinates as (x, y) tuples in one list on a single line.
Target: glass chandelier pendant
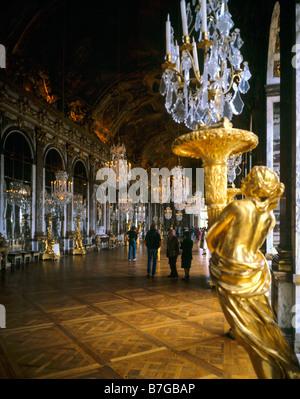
[(203, 97)]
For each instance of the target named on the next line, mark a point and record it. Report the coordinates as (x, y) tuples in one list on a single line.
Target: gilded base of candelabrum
[(213, 145), (51, 250), (78, 247)]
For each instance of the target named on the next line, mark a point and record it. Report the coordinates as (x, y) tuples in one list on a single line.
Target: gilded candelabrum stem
[(213, 145)]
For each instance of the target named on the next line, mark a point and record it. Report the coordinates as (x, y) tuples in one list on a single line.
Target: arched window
[(273, 114), (18, 182), (53, 164)]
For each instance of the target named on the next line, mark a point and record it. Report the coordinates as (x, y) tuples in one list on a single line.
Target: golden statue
[(139, 229), (242, 278)]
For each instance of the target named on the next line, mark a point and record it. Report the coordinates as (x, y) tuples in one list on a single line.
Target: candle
[(168, 35), (184, 19), (195, 55), (204, 16), (223, 7)]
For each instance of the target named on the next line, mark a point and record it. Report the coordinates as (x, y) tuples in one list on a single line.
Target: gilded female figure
[(242, 278)]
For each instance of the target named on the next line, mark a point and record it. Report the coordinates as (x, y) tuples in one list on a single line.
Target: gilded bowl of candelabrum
[(213, 145)]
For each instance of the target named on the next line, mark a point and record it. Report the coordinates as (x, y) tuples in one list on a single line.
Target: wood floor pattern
[(98, 316)]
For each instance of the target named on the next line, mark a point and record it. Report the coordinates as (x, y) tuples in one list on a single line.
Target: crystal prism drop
[(179, 111), (197, 23), (244, 86), (236, 103), (227, 112), (225, 24), (162, 86)]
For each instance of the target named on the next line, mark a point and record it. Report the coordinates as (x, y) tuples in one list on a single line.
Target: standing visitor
[(203, 244), (152, 242), (186, 257), (172, 252), (132, 237), (198, 236)]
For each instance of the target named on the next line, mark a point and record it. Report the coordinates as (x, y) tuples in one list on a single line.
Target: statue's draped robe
[(243, 290)]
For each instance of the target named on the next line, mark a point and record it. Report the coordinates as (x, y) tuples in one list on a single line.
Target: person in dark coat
[(132, 237), (152, 242), (186, 257), (172, 253)]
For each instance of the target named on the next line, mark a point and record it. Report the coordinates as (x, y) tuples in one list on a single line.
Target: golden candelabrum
[(49, 242), (78, 247), (139, 229), (213, 145)]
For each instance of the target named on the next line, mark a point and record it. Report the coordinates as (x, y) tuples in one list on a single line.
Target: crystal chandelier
[(141, 213), (179, 216), (19, 194), (61, 189), (168, 213), (179, 188), (79, 205), (119, 165), (196, 205), (202, 94), (49, 203)]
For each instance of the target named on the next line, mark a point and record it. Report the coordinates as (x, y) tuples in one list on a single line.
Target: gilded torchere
[(49, 242), (78, 247), (242, 278), (214, 144)]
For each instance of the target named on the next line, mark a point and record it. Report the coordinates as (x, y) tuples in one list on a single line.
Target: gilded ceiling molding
[(28, 111)]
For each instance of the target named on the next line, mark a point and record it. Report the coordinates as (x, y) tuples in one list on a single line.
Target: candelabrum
[(51, 249), (207, 100), (78, 246), (79, 206)]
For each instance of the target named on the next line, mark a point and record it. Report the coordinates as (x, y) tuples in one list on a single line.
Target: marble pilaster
[(297, 189), (283, 263), (39, 187)]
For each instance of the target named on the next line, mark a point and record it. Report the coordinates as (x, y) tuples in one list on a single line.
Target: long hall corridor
[(98, 316)]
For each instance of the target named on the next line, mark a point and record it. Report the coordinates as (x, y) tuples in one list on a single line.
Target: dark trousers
[(152, 254), (172, 262), (132, 248)]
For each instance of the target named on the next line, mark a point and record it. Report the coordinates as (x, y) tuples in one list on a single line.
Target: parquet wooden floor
[(98, 316)]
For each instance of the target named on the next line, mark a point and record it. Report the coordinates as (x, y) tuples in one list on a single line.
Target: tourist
[(203, 244), (132, 238), (152, 242), (186, 256), (172, 253)]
